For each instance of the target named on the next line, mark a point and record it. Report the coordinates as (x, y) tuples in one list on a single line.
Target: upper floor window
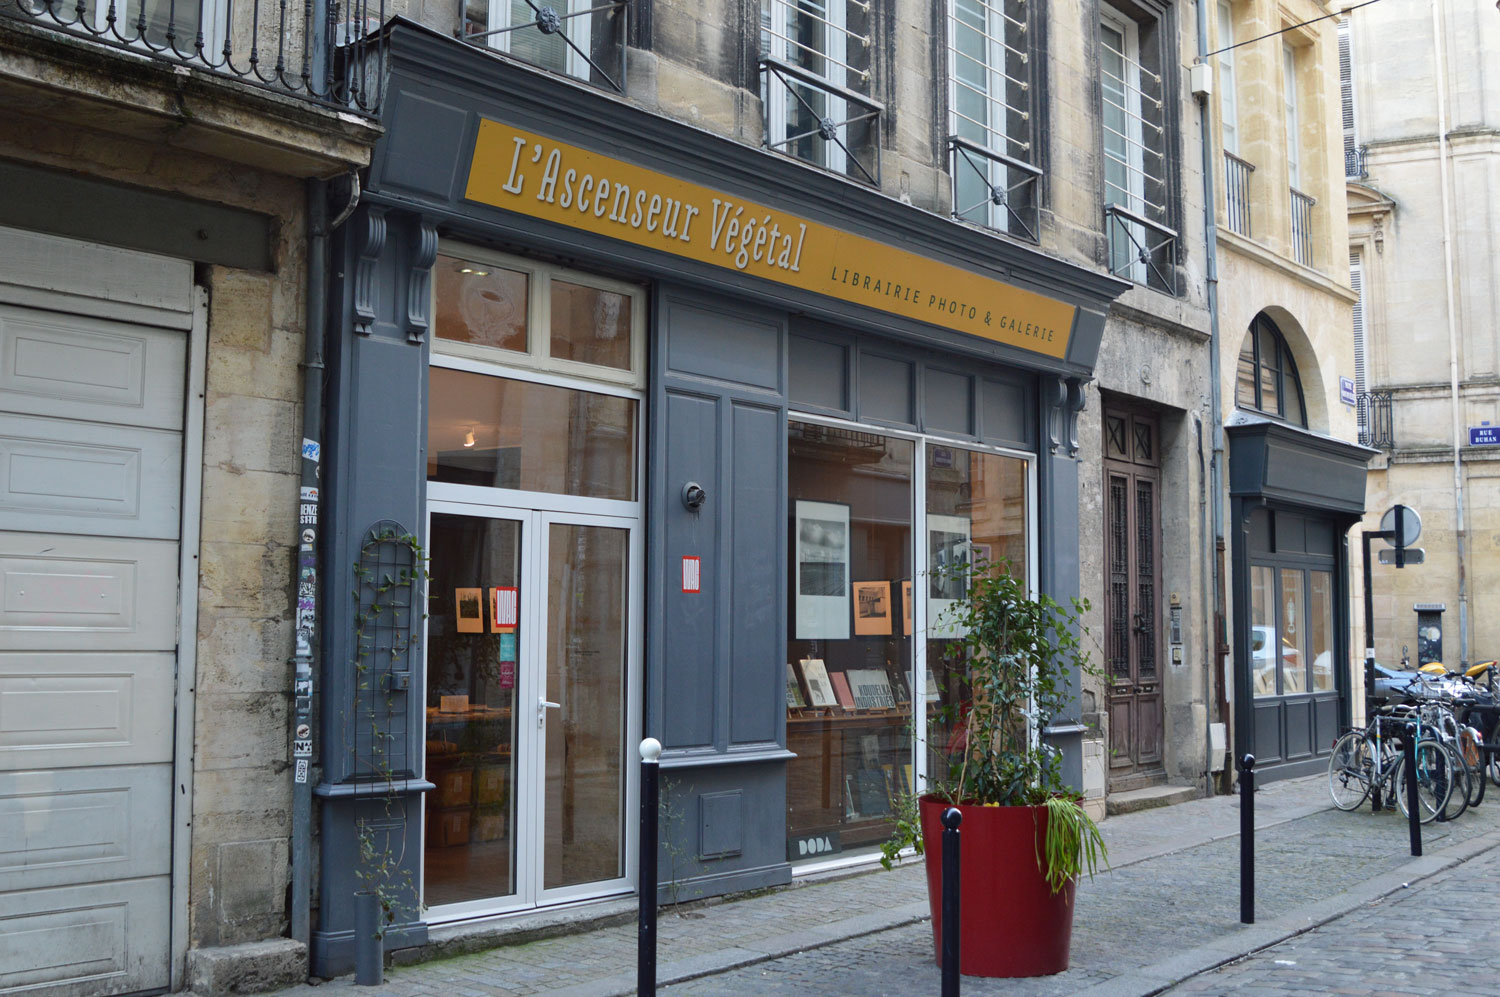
[(1293, 129), (1133, 117), (815, 84), (576, 38), (1267, 379), (1229, 105), (1354, 158), (990, 114)]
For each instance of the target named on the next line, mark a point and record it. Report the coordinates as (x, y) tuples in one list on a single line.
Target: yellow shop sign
[(562, 183)]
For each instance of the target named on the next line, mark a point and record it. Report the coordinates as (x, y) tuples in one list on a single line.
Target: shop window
[(875, 568), (990, 114), (1142, 245), (501, 432), (1266, 378), (524, 314), (815, 84), (576, 38), (850, 657)]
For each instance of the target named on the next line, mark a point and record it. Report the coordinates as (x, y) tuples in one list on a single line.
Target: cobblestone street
[(1167, 911)]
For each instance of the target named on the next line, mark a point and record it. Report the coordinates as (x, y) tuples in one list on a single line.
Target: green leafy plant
[(1018, 655), (907, 830)]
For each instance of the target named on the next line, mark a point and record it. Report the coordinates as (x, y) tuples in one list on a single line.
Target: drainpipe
[(309, 504), (1216, 407), (1458, 478)]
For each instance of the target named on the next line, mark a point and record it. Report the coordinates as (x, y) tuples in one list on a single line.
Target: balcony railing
[(1354, 163), (1302, 232), (825, 124), (1140, 249), (320, 50), (578, 39), (1237, 194), (999, 182), (1375, 424)]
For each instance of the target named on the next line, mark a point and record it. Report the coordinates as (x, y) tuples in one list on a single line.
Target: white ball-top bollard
[(650, 750)]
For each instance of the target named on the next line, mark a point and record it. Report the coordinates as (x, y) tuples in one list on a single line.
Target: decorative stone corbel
[(365, 270), (1077, 400), (1056, 397), (419, 283)]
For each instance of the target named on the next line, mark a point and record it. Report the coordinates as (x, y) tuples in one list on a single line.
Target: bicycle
[(1370, 761)]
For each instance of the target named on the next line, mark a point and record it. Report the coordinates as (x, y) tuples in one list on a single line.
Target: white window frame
[(1292, 121), (579, 28), (1229, 111), (779, 41), (1348, 119), (126, 13), (539, 320), (993, 133), (1132, 195)]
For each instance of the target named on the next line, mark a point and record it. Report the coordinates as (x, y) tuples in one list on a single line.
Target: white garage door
[(93, 355)]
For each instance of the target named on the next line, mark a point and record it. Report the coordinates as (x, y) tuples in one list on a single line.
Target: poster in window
[(469, 604), (906, 607), (947, 567), (821, 552), (872, 609)]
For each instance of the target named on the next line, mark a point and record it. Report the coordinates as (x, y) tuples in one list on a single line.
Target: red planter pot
[(1010, 921)]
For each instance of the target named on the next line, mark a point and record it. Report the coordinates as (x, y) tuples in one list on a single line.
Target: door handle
[(542, 706)]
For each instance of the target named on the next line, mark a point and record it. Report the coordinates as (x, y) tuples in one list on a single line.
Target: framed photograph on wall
[(947, 561), (469, 607), (821, 570), (872, 609)]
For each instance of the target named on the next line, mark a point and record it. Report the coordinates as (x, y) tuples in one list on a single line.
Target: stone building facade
[(1422, 145), (152, 308), (674, 355)]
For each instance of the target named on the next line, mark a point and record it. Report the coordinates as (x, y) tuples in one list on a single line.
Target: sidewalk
[(1167, 910)]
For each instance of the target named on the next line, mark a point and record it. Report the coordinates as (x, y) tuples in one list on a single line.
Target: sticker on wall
[(505, 609), (692, 575), (309, 494), (311, 450), (302, 749), (302, 766)]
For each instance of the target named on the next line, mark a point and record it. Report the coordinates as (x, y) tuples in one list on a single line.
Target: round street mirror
[(1411, 525)]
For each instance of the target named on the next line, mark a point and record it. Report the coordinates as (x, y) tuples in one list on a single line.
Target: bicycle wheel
[(1433, 782), (1470, 746), (1349, 770), (1461, 783)]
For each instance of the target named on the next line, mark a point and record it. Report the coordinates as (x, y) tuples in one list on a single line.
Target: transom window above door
[(488, 306)]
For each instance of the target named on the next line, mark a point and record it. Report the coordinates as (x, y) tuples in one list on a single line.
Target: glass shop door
[(530, 672)]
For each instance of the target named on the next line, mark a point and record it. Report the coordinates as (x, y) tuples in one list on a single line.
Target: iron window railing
[(1140, 249), (1016, 193), (1237, 194), (1376, 428), (571, 37), (1354, 163), (319, 50), (1302, 233), (851, 130)]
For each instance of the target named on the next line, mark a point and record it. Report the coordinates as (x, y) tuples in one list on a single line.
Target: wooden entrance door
[(1132, 521)]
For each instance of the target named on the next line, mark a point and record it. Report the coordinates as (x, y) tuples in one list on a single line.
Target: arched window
[(1267, 380)]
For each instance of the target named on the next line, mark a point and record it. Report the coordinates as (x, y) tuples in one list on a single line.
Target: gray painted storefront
[(1294, 495), (730, 358)]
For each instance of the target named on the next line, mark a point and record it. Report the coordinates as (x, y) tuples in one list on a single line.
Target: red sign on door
[(505, 608), (692, 575)]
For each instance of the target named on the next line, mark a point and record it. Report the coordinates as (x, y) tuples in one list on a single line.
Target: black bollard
[(1413, 817), (645, 966), (952, 817), (1247, 840)]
